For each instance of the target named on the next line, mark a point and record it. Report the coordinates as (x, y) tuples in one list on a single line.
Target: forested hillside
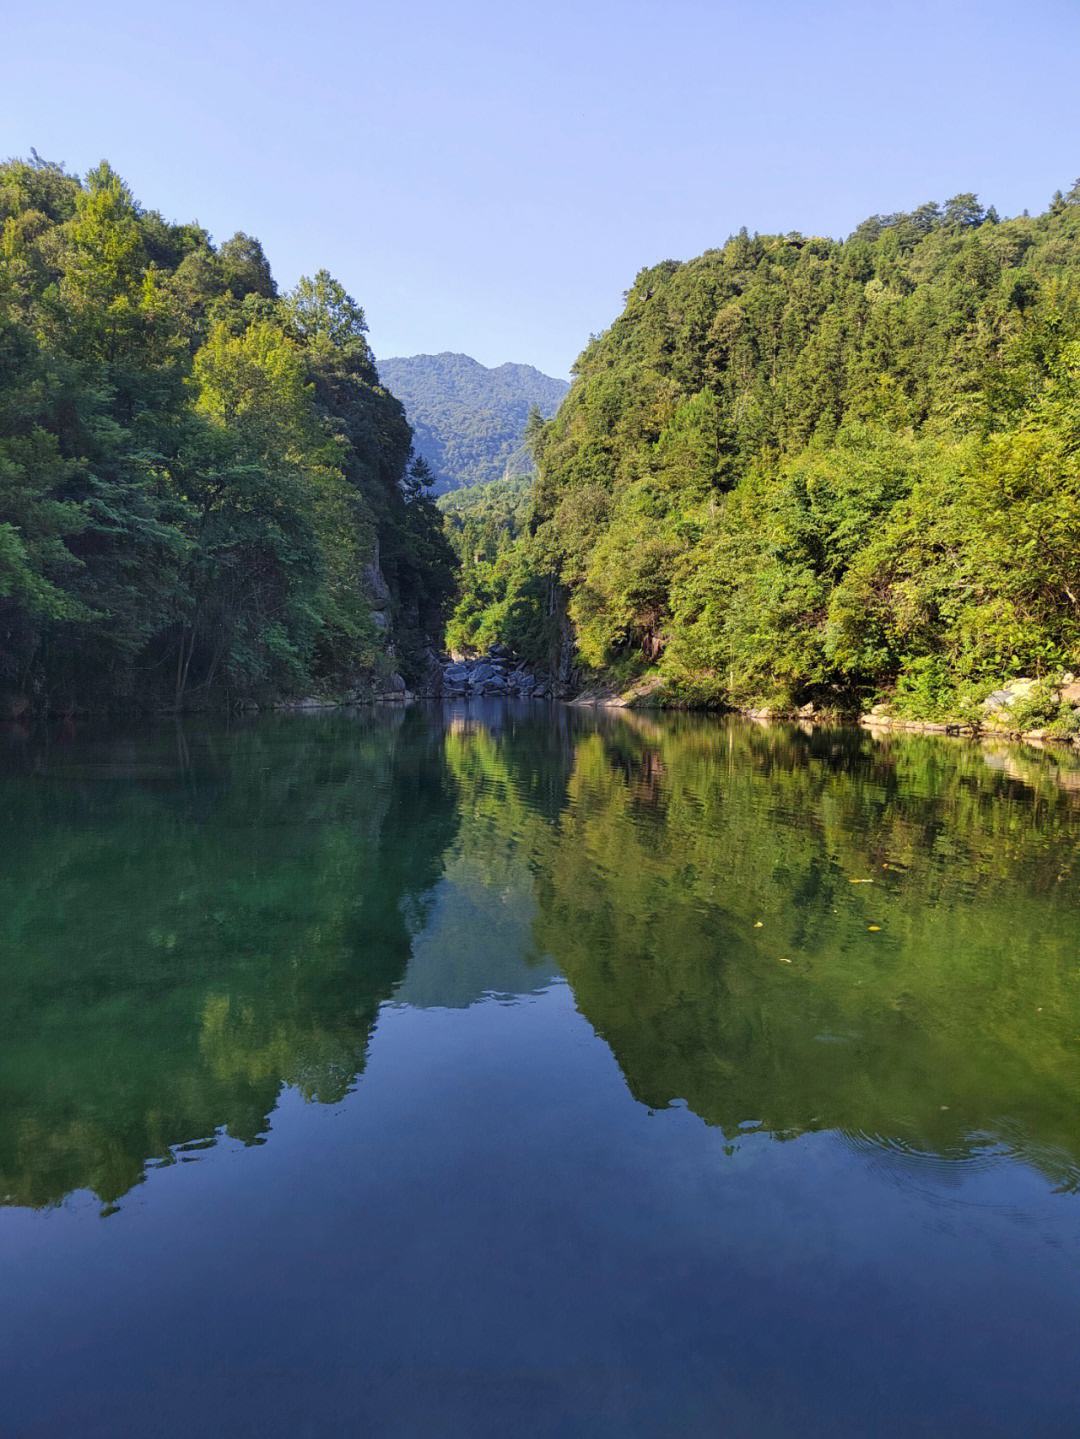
[(203, 485), (469, 421), (796, 469), (483, 525)]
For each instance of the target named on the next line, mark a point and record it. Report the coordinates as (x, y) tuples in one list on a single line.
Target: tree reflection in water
[(787, 929)]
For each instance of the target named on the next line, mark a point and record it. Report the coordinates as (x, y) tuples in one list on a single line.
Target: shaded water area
[(510, 1069)]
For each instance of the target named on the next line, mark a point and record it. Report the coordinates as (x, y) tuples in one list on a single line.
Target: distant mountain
[(469, 421)]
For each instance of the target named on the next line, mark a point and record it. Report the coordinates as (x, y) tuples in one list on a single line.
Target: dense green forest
[(484, 524), (796, 469), (793, 470), (469, 421), (205, 491)]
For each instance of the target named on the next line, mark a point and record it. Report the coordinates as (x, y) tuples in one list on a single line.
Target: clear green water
[(520, 1071)]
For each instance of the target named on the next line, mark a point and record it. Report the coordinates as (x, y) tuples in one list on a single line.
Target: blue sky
[(489, 177)]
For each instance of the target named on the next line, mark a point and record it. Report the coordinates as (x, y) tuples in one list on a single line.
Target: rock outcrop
[(1005, 698), (370, 689), (495, 673)]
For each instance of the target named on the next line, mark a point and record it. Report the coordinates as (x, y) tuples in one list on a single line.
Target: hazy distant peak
[(469, 419)]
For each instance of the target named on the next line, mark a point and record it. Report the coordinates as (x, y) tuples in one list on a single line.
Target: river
[(493, 1069)]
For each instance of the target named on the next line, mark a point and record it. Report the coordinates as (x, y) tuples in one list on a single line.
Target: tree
[(799, 469), (195, 474)]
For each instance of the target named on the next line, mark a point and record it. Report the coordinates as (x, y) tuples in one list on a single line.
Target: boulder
[(496, 673), (998, 700)]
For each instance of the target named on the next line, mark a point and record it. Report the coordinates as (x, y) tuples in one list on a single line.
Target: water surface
[(498, 1069)]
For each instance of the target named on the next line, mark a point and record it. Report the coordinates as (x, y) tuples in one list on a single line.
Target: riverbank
[(1024, 710), (1021, 710), (1036, 711)]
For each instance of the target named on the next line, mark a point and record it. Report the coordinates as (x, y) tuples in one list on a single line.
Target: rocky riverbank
[(492, 675), (496, 673), (1031, 710)]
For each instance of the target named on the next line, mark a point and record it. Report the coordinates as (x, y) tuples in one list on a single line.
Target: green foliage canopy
[(796, 468), (198, 477), (471, 422)]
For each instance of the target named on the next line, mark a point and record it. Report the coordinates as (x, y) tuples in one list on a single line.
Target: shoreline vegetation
[(806, 476), (1024, 709), (207, 497), (800, 477)]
